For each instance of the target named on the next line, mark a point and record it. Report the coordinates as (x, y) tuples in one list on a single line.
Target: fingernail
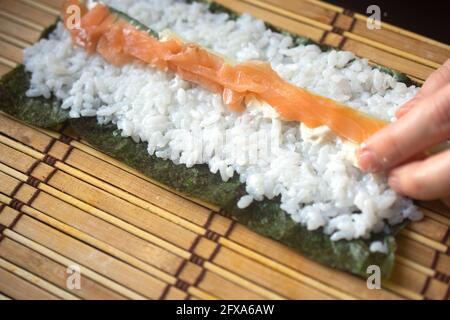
[(368, 161), (394, 183)]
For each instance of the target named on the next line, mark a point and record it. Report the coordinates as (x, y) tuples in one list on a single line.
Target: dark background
[(430, 18)]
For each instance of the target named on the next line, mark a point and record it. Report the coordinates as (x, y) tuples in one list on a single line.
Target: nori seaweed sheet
[(264, 217)]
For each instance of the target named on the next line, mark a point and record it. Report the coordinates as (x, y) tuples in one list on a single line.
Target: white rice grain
[(312, 171)]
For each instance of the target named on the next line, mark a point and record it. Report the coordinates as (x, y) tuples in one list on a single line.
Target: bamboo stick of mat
[(3, 297), (85, 271), (39, 282), (52, 271), (386, 25), (101, 231), (10, 171), (89, 239), (83, 254), (17, 288)]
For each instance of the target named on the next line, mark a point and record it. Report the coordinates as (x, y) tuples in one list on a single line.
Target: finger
[(434, 82), (422, 127), (417, 157), (424, 180), (407, 106)]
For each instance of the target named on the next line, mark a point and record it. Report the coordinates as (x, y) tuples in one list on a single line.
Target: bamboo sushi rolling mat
[(62, 203)]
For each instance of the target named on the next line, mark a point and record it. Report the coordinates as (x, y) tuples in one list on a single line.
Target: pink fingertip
[(367, 160)]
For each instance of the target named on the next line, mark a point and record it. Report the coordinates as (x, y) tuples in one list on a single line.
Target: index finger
[(434, 82), (422, 127)]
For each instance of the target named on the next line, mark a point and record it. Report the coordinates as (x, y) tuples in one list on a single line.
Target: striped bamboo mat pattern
[(64, 204)]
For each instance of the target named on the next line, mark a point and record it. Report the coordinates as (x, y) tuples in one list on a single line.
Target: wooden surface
[(62, 203)]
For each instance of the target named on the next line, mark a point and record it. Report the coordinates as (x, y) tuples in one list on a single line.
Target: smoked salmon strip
[(119, 42)]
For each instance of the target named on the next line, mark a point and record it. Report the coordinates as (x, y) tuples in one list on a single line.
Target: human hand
[(399, 148)]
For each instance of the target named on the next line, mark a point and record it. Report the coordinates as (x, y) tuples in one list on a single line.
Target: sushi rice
[(312, 170)]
